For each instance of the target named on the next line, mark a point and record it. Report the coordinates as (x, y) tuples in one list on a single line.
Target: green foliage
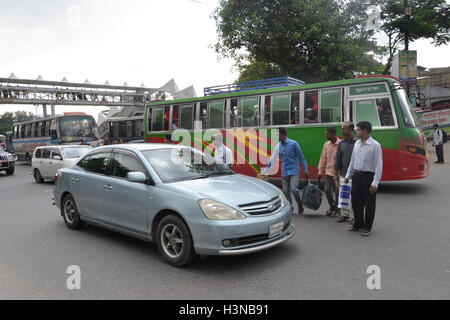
[(318, 40), (430, 19), (7, 119), (313, 40)]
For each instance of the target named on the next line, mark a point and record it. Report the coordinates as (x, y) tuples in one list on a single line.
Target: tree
[(7, 119), (313, 40), (430, 19)]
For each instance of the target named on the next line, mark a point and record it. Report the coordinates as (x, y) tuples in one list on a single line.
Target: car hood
[(233, 189), (69, 162)]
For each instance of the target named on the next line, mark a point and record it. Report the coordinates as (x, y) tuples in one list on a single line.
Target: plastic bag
[(345, 193), (312, 196)]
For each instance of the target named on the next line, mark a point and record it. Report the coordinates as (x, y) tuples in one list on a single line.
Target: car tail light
[(56, 177)]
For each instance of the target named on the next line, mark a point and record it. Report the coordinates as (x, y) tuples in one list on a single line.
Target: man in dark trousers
[(343, 156), (438, 142), (366, 168)]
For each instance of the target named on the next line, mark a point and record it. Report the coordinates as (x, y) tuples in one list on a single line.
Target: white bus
[(70, 128)]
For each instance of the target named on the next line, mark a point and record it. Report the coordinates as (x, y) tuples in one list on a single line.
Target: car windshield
[(75, 152), (180, 164), (78, 128)]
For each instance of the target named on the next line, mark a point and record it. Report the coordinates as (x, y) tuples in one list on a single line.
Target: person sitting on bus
[(310, 116)]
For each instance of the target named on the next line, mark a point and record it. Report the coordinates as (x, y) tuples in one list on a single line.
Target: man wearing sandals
[(366, 167), (343, 157), (326, 165)]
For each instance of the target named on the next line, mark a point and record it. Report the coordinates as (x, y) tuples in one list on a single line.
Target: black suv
[(7, 161)]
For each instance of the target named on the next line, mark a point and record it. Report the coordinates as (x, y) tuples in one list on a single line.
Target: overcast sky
[(137, 41)]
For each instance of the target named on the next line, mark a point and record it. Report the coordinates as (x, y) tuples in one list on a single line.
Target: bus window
[(139, 128), (149, 122), (216, 114), (234, 113), (157, 119), (311, 107), (203, 117), (175, 117), (47, 128), (166, 118), (250, 112), (385, 112), (39, 129), (129, 126), (366, 110), (267, 110), (330, 105), (29, 129), (22, 131), (187, 115), (295, 108), (122, 129), (281, 109)]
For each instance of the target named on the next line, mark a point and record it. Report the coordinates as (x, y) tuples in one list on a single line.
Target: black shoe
[(436, 162)]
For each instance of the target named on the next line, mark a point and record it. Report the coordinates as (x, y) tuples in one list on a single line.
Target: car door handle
[(108, 187), (75, 180)]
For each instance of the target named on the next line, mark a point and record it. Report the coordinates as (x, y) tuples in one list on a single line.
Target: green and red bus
[(305, 111)]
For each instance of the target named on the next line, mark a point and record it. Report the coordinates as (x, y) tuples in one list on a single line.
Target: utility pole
[(407, 17)]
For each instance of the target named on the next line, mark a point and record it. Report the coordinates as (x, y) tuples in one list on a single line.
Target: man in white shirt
[(365, 170), (438, 142), (222, 154)]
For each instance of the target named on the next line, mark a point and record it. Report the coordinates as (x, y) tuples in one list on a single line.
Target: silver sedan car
[(175, 196)]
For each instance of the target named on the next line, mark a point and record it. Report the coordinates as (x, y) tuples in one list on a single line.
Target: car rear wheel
[(70, 213), (37, 176), (174, 241), (10, 171)]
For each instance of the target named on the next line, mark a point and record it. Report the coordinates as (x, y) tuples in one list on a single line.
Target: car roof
[(65, 146), (140, 146)]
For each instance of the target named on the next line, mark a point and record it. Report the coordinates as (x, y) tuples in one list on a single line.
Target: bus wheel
[(37, 176), (28, 159)]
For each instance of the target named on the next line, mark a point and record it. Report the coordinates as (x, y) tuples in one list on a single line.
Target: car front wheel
[(70, 213), (174, 241), (10, 171)]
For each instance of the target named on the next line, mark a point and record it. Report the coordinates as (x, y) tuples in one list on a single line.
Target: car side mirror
[(57, 158), (138, 177)]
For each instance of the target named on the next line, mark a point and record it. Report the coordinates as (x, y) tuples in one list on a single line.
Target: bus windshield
[(409, 118), (78, 128)]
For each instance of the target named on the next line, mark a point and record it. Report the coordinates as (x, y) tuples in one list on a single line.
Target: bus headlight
[(215, 210)]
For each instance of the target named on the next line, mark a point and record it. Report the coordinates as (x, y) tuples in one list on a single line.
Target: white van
[(47, 160)]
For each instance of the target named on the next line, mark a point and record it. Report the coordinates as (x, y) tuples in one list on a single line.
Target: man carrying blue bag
[(290, 154)]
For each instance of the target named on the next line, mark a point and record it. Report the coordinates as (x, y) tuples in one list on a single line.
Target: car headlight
[(11, 157), (283, 197), (214, 210)]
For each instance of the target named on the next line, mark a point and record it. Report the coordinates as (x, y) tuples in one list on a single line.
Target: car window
[(98, 162), (46, 153), (83, 162), (56, 152), (122, 164), (38, 153)]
